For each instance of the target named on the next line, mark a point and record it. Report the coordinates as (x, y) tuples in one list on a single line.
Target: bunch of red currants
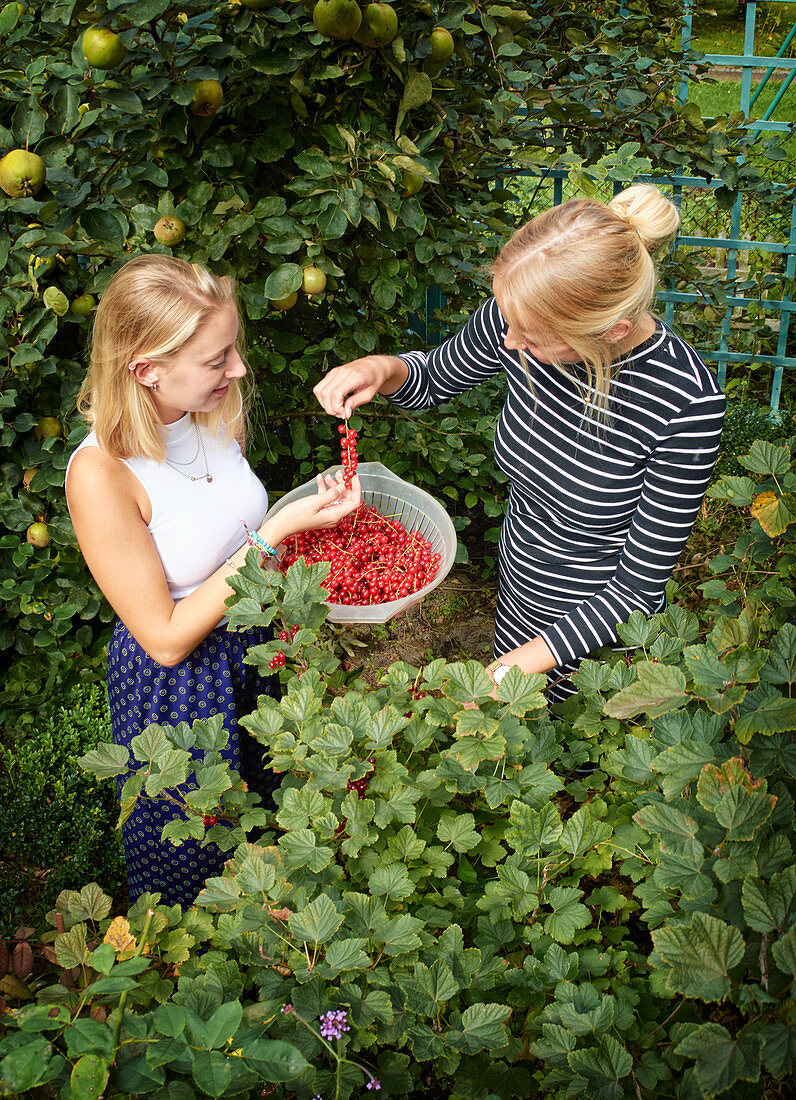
[(348, 453), (373, 558)]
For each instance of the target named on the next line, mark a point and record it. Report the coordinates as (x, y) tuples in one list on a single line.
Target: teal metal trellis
[(732, 245)]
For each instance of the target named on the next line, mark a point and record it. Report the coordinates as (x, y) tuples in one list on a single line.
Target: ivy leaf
[(483, 1027), (659, 688), (699, 956), (568, 913), (317, 922), (720, 1060)]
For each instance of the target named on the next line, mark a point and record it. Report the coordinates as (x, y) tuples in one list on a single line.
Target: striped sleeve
[(674, 486), (465, 360)]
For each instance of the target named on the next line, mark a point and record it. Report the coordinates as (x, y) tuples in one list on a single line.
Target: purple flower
[(374, 1084), (287, 1009), (334, 1023)]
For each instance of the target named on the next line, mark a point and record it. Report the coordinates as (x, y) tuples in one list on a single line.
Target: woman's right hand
[(343, 389), (333, 501)]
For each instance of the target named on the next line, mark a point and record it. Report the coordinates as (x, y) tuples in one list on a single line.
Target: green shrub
[(57, 829), (746, 421)]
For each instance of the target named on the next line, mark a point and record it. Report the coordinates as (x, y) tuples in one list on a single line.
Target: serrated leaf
[(659, 688), (531, 829), (437, 981), (699, 956), (677, 831), (784, 952), (608, 1062), (568, 913), (581, 832), (720, 1059), (317, 922), (466, 681), (458, 831), (483, 1027), (348, 954), (767, 459), (740, 804), (769, 907), (105, 760)]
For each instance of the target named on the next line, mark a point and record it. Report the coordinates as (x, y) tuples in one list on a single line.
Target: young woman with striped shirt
[(608, 434)]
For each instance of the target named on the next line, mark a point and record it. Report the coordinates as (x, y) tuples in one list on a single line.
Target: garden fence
[(730, 248)]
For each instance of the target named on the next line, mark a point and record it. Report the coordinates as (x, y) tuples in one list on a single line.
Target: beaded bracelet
[(254, 540)]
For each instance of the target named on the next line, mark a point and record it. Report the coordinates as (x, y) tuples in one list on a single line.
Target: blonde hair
[(151, 307), (581, 267)]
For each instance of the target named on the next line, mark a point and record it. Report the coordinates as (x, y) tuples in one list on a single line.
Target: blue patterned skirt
[(211, 680)]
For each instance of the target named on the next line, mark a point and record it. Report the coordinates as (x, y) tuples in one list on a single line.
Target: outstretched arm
[(106, 509)]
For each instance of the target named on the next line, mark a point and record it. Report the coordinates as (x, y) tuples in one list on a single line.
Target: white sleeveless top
[(196, 525)]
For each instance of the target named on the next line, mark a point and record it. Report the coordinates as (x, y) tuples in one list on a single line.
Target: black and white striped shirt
[(599, 508)]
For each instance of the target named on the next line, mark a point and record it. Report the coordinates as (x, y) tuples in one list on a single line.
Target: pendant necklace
[(206, 476)]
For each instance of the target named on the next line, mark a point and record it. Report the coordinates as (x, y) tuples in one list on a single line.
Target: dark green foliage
[(57, 826), (302, 164), (746, 421)]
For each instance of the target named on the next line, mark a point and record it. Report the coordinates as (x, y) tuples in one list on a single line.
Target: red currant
[(208, 820)]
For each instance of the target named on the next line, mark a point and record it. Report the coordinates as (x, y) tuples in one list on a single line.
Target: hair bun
[(651, 214)]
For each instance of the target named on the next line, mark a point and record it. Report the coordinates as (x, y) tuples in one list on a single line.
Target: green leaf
[(220, 895), (765, 711), (780, 667), (86, 1036), (149, 743), (581, 832), (283, 281), (699, 956), (317, 922), (768, 908), (658, 689), (483, 1027), (301, 849), (457, 831), (70, 947), (740, 804), (170, 1019), (56, 300), (676, 830), (608, 1062), (720, 1059), (211, 1071), (89, 1077), (467, 681), (391, 882), (681, 764), (532, 830), (568, 913), (276, 1060), (105, 760), (222, 1025), (348, 954), (639, 630), (767, 459), (437, 981), (784, 952), (25, 1065)]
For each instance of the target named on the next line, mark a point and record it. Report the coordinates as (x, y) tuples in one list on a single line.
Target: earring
[(154, 385)]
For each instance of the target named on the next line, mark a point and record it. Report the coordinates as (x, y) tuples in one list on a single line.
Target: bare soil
[(456, 621)]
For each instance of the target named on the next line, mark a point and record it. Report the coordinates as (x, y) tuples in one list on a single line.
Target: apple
[(378, 27), (337, 18), (285, 303), (38, 535), (412, 182), (28, 476), (313, 281), (169, 229), (102, 48), (21, 173), (83, 305), (208, 95), (48, 427), (441, 44)]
